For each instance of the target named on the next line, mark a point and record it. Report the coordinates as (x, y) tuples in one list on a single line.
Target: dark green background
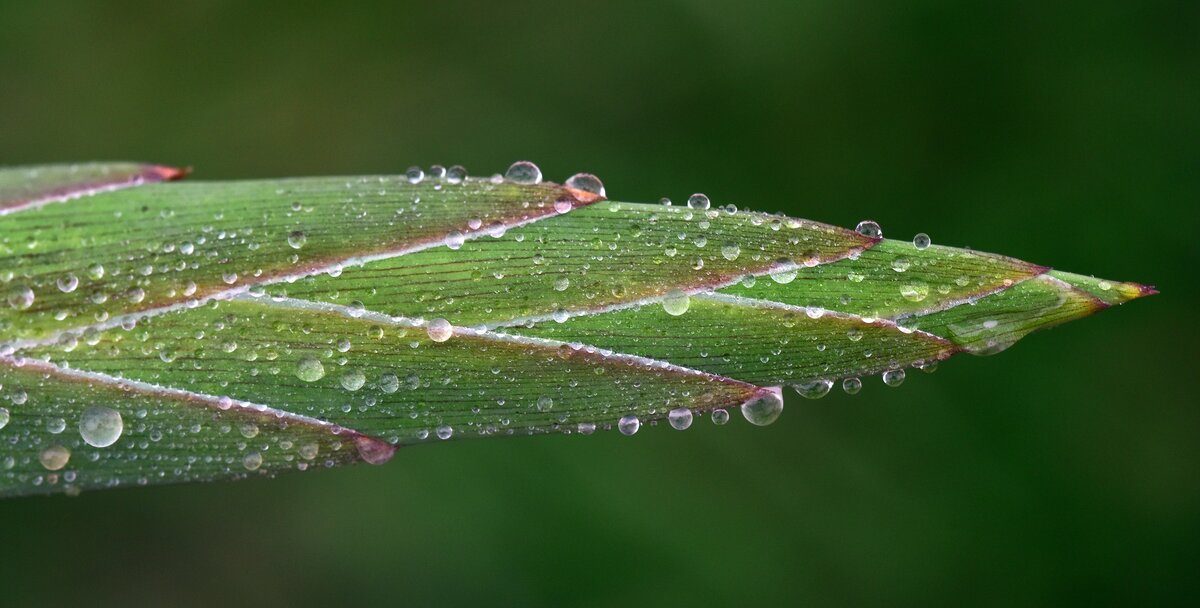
[(1066, 133)]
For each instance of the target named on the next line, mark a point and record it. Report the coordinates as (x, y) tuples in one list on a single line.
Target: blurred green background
[(1062, 471)]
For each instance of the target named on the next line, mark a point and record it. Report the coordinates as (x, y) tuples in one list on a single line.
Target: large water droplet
[(68, 282), (852, 385), (914, 292), (54, 457), (455, 239), (414, 175), (784, 276), (586, 182), (439, 330), (20, 297), (524, 172), (893, 377), (297, 239), (720, 416), (921, 241), (310, 369), (676, 302), (629, 424), (100, 427), (252, 461), (353, 379), (815, 389), (731, 251), (680, 418), (389, 383), (870, 229), (445, 432), (456, 174), (545, 403), (764, 408), (698, 202), (901, 264)]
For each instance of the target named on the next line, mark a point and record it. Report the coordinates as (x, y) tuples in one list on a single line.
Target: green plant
[(207, 330)]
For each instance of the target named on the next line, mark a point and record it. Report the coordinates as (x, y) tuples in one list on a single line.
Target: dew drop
[(310, 369), (851, 386), (353, 379), (680, 418), (586, 182), (523, 172), (699, 202), (456, 174), (414, 175), (914, 292), (893, 377), (455, 239), (870, 229), (561, 284), (815, 389), (545, 403), (764, 408), (54, 457), (297, 239), (731, 251), (629, 424), (100, 427), (676, 302), (445, 432), (439, 330), (20, 297), (4, 417), (68, 282), (95, 272), (901, 264), (309, 451), (921, 241), (389, 383), (252, 461), (784, 277), (720, 416)]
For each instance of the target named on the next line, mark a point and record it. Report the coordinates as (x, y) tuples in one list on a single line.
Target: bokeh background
[(1063, 471)]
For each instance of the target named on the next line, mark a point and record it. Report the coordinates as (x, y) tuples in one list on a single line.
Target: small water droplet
[(414, 175), (309, 451), (870, 229), (561, 284), (95, 272), (456, 174), (389, 383), (680, 418), (437, 171), (455, 239), (699, 202), (629, 424), (545, 403), (893, 377), (297, 239), (252, 461), (815, 389), (676, 302), (586, 182), (731, 251), (524, 172), (4, 417), (20, 297), (914, 292), (310, 369), (921, 241), (720, 416), (784, 276), (54, 457), (851, 386), (901, 264), (445, 432), (100, 427), (764, 408), (439, 330), (68, 282)]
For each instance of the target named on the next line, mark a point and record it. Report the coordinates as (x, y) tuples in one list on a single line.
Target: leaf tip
[(374, 450)]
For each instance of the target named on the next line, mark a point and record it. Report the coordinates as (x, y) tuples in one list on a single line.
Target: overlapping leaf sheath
[(160, 332)]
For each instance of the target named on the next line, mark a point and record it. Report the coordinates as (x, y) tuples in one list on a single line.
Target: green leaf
[(216, 330)]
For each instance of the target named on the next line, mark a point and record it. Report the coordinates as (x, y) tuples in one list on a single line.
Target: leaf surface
[(164, 332)]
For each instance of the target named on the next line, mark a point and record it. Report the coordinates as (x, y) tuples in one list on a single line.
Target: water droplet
[(586, 182), (901, 264), (893, 377), (870, 229), (784, 276), (20, 297), (629, 424), (699, 202), (353, 379), (4, 417), (439, 330), (455, 239), (764, 408), (561, 284), (545, 403), (815, 389), (456, 174), (664, 201), (914, 292), (297, 239), (731, 251), (437, 171), (524, 172), (720, 416), (249, 430), (309, 451), (310, 369), (68, 282), (680, 418), (95, 272), (854, 334), (100, 427), (389, 383), (921, 241), (445, 432), (414, 175), (252, 461), (56, 425), (676, 302), (852, 386), (54, 457), (586, 428)]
